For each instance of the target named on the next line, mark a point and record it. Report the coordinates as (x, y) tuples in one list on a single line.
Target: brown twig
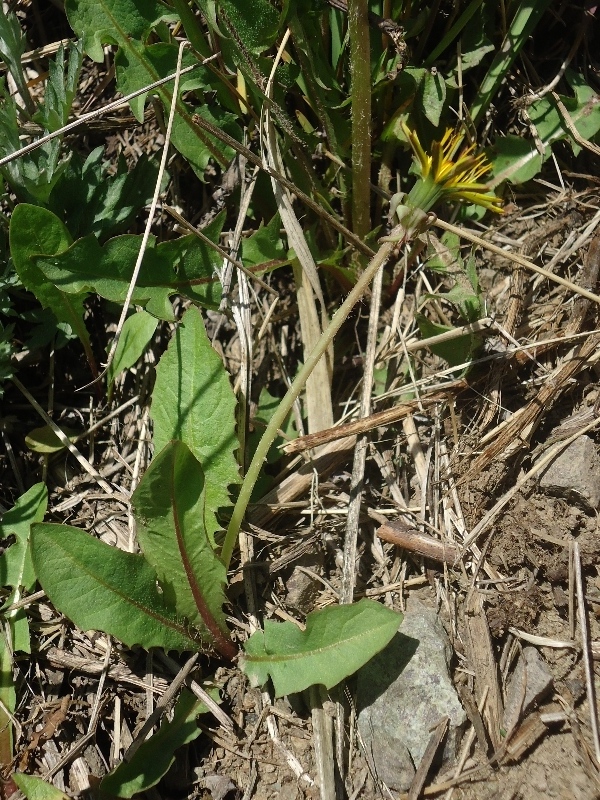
[(413, 540)]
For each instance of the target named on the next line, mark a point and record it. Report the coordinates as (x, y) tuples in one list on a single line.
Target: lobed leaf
[(100, 22), (183, 266), (127, 24), (102, 588), (61, 88), (90, 200), (337, 641)]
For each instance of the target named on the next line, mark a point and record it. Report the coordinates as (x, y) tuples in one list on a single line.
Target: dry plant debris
[(450, 419)]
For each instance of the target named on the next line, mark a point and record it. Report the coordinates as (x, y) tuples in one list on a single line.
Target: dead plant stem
[(493, 248), (398, 234), (360, 451)]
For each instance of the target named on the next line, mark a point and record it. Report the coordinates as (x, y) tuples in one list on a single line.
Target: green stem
[(360, 70), (398, 234)]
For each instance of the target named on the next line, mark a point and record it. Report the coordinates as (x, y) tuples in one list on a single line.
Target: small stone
[(575, 473), (403, 693), (302, 588), (533, 673), (219, 786)]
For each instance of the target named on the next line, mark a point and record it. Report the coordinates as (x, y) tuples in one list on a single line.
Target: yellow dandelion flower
[(448, 176)]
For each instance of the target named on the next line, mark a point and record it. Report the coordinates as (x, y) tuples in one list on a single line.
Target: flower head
[(444, 175)]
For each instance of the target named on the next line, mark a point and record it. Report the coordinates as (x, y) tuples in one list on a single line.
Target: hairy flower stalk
[(441, 178)]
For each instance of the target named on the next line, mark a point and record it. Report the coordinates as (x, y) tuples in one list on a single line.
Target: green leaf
[(197, 145), (172, 515), (16, 568), (100, 22), (184, 266), (34, 175), (35, 231), (134, 63), (433, 96), (256, 25), (527, 14), (60, 88), (137, 331), (583, 110), (90, 200), (102, 588), (12, 46), (127, 23), (455, 352), (337, 641), (193, 401), (44, 440), (442, 259), (153, 759), (36, 789), (265, 247), (517, 160)]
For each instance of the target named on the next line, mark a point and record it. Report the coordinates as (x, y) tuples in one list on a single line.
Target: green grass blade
[(526, 17)]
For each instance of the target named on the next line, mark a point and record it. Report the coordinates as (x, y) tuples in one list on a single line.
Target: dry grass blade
[(161, 706), (465, 234), (318, 386), (299, 481), (587, 655), (483, 660), (360, 450), (428, 756), (322, 724), (63, 438), (518, 431)]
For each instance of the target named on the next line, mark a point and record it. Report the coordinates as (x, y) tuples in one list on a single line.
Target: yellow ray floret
[(446, 175)]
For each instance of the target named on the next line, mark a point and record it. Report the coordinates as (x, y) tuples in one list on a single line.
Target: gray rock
[(575, 473), (531, 674), (402, 694)]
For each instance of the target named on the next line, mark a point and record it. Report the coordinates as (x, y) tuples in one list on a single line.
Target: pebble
[(403, 693), (575, 474), (533, 673)]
